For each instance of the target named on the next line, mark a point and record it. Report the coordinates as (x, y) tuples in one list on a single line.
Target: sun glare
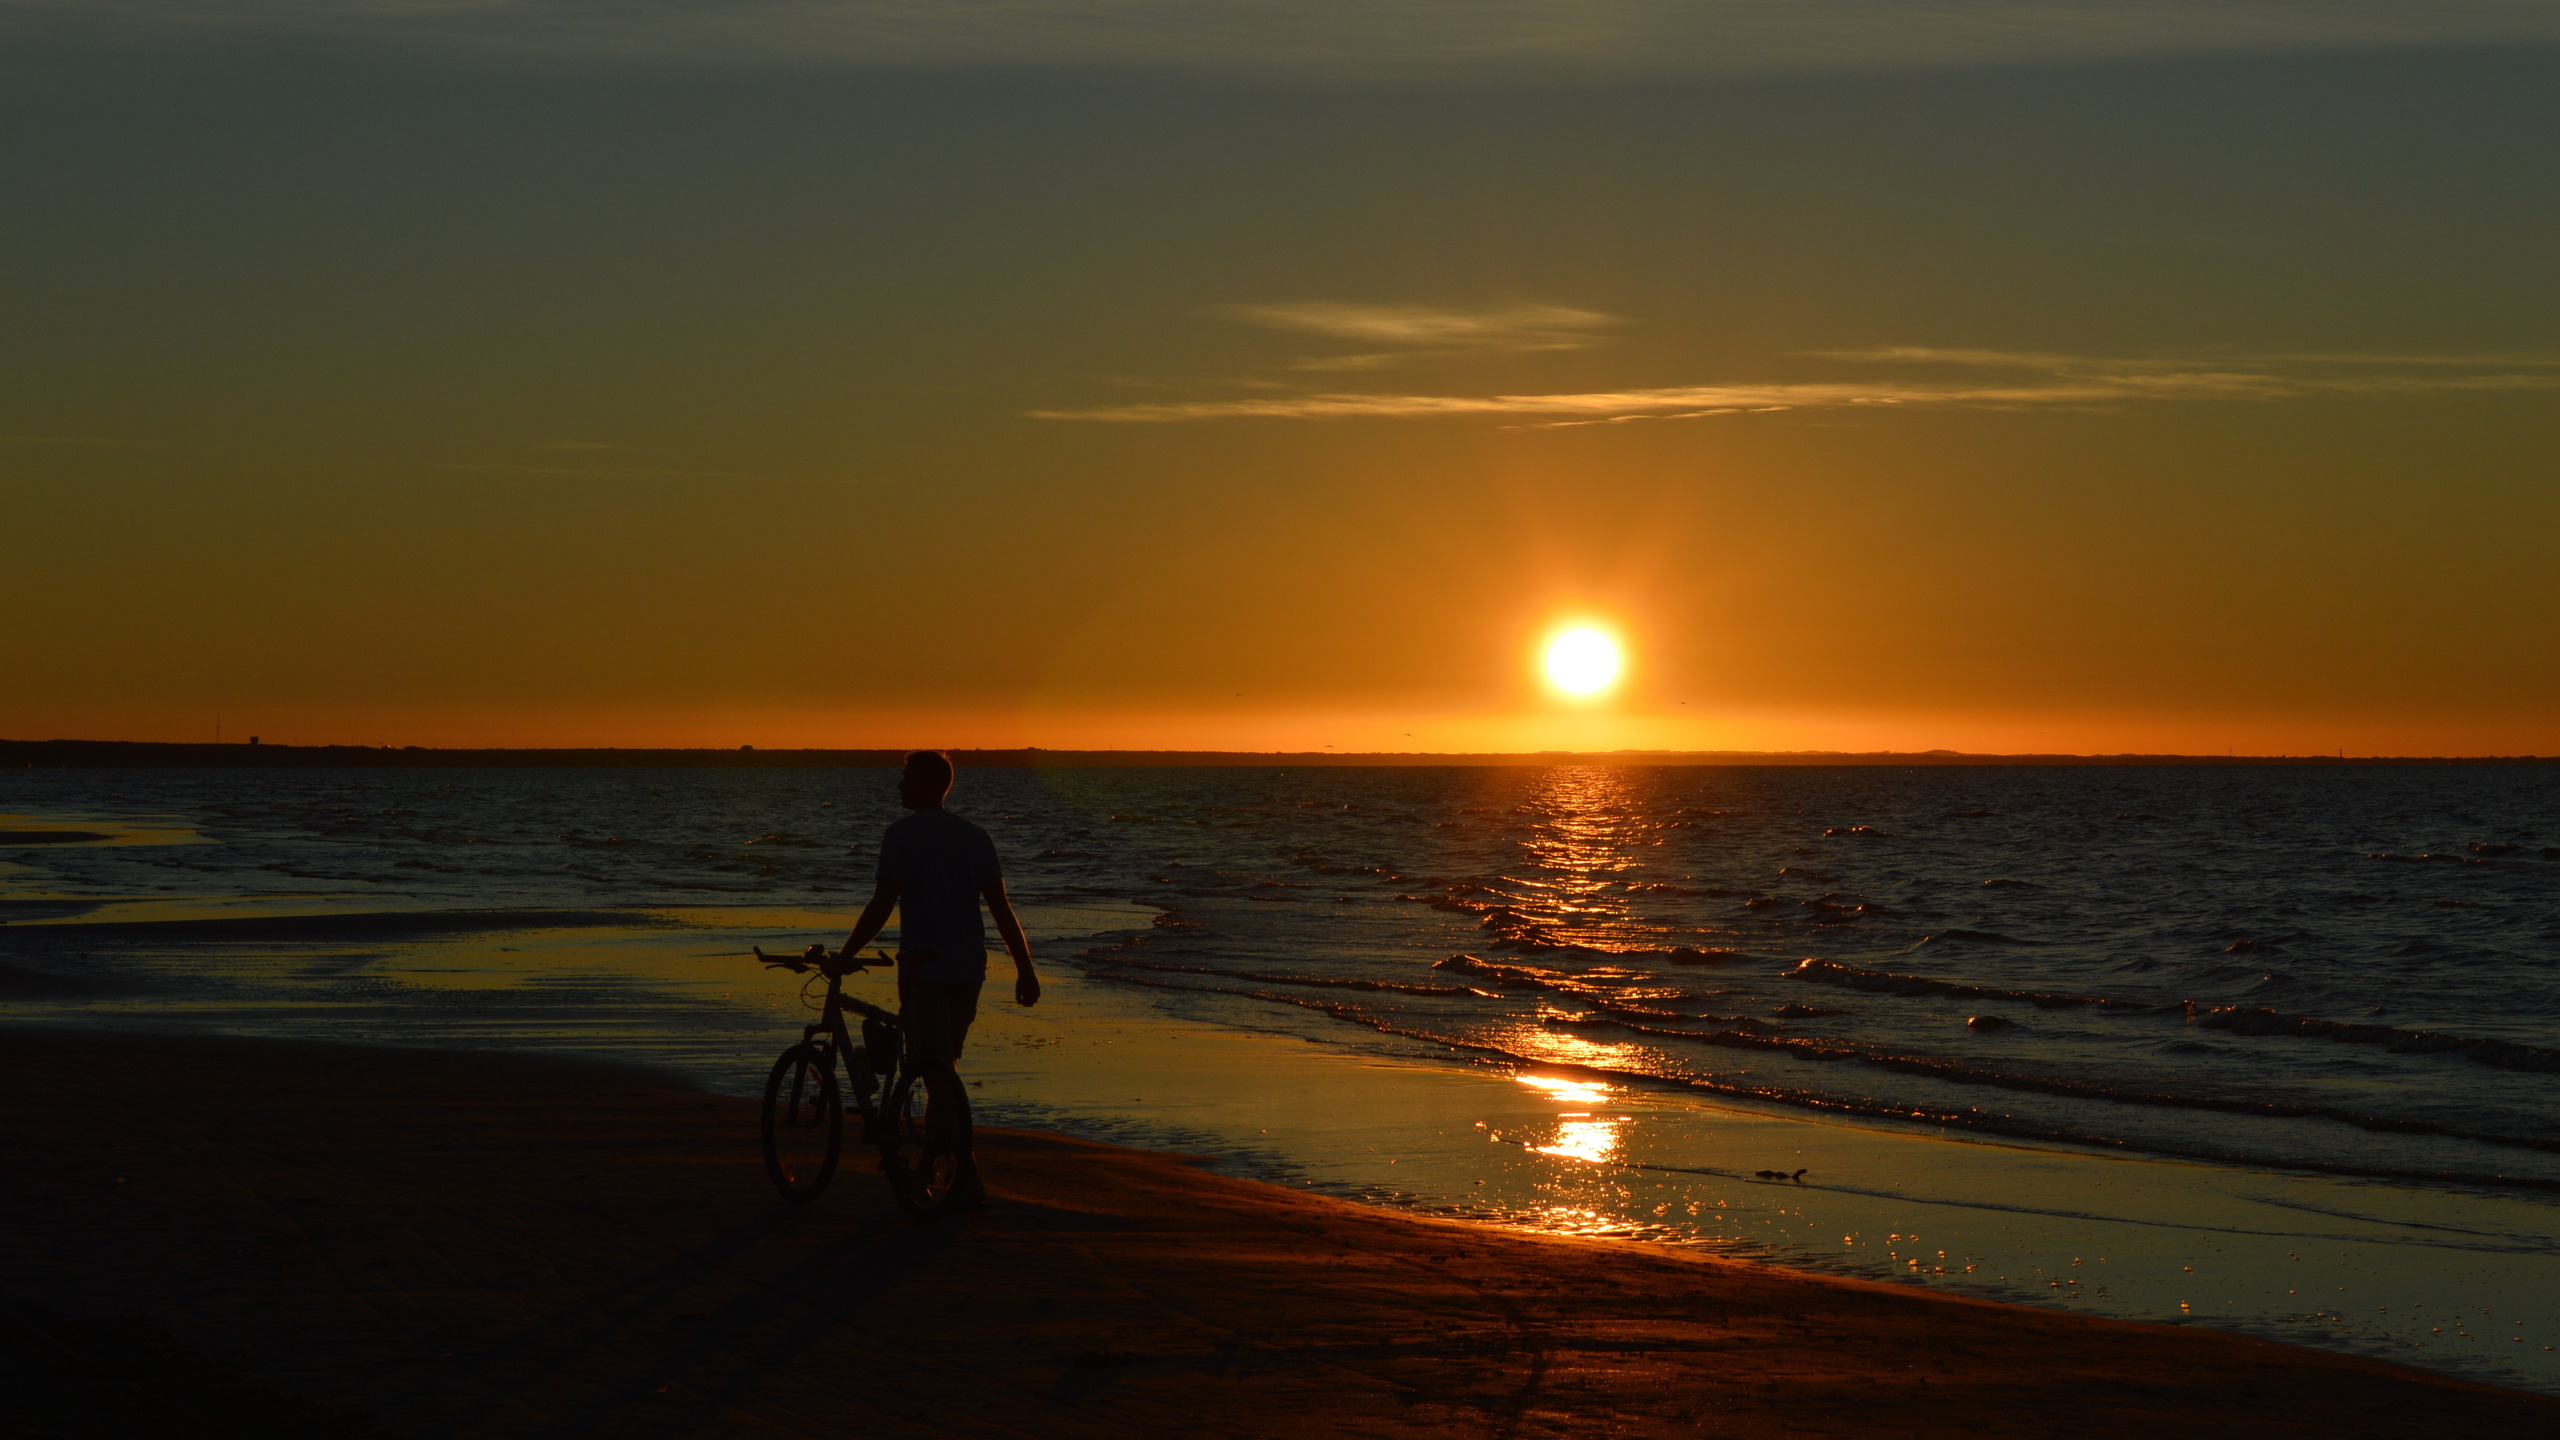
[(1582, 662)]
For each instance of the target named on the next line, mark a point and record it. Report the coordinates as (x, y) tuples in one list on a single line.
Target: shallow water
[(2279, 1054)]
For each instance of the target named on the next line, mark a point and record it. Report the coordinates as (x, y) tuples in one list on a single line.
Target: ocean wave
[(1322, 866), (1959, 1072), (1606, 1017), (2239, 1019), (335, 926), (1265, 977), (1684, 955), (1830, 910), (2259, 1020), (1518, 927), (1527, 977), (1884, 982), (1594, 980)]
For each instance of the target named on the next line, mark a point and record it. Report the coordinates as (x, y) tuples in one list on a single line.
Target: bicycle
[(804, 1107)]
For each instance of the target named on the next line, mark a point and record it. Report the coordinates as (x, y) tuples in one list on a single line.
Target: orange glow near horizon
[(997, 724)]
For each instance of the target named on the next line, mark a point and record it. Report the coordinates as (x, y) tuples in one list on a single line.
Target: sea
[(2274, 1049)]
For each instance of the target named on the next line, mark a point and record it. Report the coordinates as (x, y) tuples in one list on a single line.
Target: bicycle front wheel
[(922, 1173), (803, 1122)]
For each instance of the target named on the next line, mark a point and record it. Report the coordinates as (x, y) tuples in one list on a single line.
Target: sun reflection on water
[(1535, 1041), (1597, 1224), (1592, 1140), (1591, 834), (1566, 1088), (1579, 1135)]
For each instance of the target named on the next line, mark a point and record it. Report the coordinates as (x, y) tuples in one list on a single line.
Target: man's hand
[(1026, 985)]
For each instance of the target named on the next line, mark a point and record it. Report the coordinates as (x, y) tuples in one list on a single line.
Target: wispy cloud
[(1548, 39), (1426, 332), (565, 472), (2123, 364), (71, 440), (2045, 381), (1502, 327)]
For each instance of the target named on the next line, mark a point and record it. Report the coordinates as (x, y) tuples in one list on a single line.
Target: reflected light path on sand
[(1579, 1134), (1578, 1092), (1592, 1140)]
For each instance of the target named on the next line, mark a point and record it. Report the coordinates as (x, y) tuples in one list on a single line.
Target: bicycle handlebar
[(814, 958), (797, 964)]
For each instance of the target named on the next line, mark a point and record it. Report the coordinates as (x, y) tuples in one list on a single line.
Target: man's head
[(925, 781)]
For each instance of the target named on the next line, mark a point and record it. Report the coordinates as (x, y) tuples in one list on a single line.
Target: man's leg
[(938, 1024), (946, 1108)]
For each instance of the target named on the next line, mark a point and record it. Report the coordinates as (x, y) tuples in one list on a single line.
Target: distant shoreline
[(164, 755)]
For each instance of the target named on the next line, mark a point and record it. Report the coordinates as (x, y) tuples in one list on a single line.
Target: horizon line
[(68, 754)]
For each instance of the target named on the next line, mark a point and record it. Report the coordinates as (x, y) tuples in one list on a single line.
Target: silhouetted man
[(936, 868)]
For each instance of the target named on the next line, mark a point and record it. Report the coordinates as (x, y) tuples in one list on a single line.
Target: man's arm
[(875, 918), (1026, 985)]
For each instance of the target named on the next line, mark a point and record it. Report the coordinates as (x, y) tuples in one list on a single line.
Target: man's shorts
[(937, 1016)]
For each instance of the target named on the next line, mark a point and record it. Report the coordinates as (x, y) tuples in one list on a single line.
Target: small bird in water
[(1798, 1177)]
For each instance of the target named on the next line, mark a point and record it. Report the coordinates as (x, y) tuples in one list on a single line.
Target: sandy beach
[(485, 1245)]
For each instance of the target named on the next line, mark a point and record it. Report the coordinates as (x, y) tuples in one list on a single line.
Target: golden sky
[(652, 384)]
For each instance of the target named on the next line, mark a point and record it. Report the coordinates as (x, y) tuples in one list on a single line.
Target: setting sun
[(1582, 661)]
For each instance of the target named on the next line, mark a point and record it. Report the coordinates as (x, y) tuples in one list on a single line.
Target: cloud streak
[(2134, 365), (1425, 332), (1547, 39), (85, 440), (2046, 381), (567, 472)]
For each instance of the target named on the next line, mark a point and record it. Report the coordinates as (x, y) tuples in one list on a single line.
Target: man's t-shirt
[(940, 862)]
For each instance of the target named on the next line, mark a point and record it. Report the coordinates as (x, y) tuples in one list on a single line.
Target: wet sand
[(498, 1246)]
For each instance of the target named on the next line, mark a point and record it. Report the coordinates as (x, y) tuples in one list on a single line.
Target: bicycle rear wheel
[(922, 1174), (803, 1122)]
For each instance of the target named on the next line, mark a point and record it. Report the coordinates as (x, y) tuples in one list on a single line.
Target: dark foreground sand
[(491, 1246)]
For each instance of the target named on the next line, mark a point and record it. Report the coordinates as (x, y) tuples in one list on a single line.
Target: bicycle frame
[(840, 1046)]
